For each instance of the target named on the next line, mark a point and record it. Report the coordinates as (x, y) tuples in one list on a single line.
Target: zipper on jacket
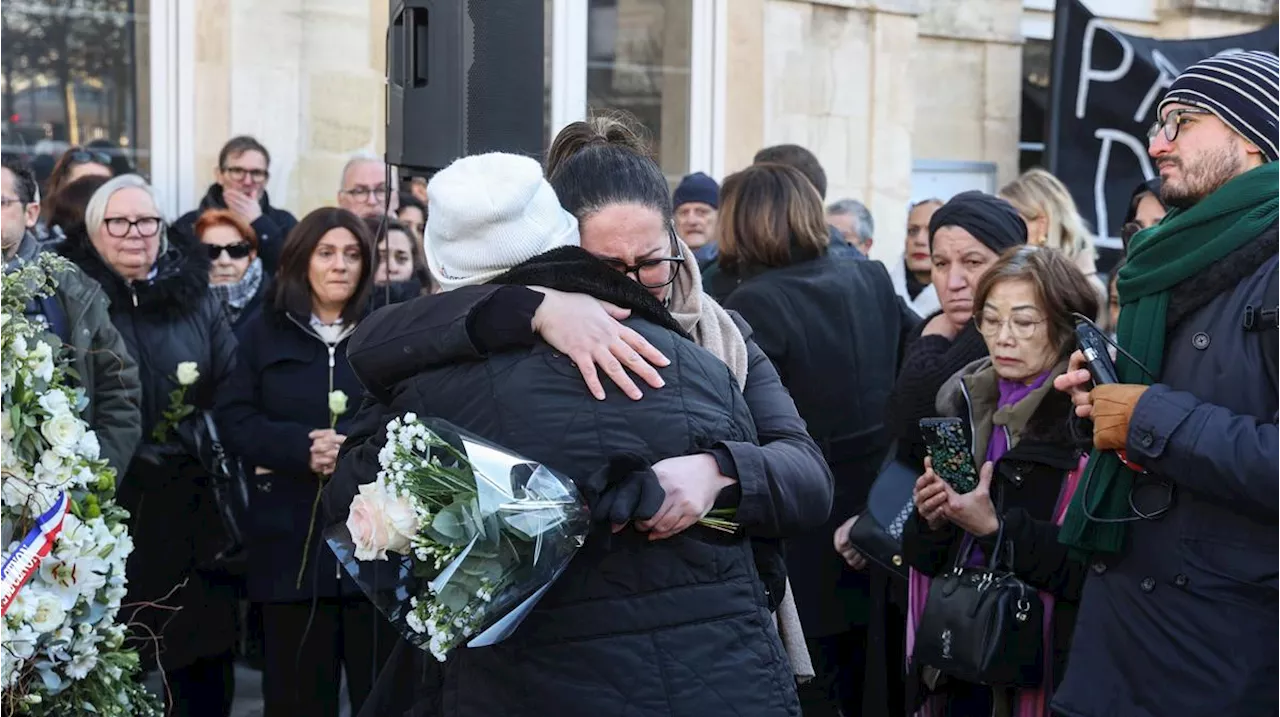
[(333, 350)]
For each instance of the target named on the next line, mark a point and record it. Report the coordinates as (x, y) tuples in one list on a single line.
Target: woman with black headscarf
[(966, 236)]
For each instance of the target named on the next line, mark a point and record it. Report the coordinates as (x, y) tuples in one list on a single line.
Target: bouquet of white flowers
[(64, 539), (480, 534)]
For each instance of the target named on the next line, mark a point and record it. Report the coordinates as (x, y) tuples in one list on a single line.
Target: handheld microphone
[(1094, 347)]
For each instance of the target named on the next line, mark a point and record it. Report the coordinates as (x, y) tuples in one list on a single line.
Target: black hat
[(990, 219)]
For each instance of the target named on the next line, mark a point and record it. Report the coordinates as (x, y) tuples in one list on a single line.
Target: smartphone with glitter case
[(949, 449)]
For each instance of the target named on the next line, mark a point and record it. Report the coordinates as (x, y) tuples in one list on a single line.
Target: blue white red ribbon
[(34, 547)]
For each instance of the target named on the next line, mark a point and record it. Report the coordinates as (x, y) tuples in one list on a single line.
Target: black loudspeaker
[(463, 77)]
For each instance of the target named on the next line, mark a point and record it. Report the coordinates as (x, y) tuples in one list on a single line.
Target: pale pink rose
[(368, 524), (402, 521)]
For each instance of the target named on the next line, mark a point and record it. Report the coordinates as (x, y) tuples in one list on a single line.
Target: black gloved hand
[(638, 496), (626, 489)]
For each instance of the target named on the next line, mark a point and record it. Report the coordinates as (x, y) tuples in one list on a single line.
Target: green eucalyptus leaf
[(454, 597)]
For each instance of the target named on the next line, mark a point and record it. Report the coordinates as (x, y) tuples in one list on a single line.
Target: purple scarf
[(1029, 702), (1011, 392)]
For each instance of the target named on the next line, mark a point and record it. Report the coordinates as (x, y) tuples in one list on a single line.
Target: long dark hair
[(291, 290), (602, 161), (379, 228)]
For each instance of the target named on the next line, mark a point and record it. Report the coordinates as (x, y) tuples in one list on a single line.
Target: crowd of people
[(725, 345)]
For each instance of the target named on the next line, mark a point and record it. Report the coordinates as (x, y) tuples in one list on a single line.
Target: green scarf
[(1185, 243)]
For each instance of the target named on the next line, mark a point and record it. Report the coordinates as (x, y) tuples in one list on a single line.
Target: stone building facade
[(900, 99)]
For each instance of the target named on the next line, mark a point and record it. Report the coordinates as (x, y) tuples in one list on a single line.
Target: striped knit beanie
[(1242, 89)]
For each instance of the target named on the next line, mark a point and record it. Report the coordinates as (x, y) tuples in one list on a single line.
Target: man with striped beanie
[(1175, 517)]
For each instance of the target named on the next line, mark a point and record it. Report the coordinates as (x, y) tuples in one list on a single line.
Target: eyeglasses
[(651, 273), (1172, 123), (362, 193), (82, 156), (6, 202), (119, 227), (1022, 327), (239, 173), (235, 251)]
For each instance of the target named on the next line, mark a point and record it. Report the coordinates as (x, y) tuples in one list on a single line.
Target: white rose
[(63, 432), (403, 521), (337, 403), (188, 373), (370, 530), (54, 402), (47, 614)]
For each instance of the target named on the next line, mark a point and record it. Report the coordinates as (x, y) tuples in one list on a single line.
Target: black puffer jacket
[(166, 320), (672, 627)]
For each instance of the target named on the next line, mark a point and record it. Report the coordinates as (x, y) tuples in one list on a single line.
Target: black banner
[(1103, 97)]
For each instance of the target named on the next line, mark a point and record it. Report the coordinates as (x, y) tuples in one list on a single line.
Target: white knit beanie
[(489, 213)]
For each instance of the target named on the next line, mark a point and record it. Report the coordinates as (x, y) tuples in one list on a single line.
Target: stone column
[(835, 77), (744, 82), (969, 83)]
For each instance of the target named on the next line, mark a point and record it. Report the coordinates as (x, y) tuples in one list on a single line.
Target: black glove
[(626, 489)]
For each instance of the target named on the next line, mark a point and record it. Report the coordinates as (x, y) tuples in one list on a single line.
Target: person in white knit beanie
[(489, 213)]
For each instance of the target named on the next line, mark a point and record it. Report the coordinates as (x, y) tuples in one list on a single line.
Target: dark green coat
[(106, 370)]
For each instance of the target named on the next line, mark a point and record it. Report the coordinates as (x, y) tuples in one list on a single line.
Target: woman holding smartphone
[(1019, 427)]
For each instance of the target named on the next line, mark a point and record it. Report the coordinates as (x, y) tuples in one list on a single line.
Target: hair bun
[(604, 128)]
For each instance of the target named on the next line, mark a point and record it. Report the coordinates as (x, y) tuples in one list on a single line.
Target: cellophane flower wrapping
[(457, 538)]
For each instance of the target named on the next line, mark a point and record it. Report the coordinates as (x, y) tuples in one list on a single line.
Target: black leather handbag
[(982, 625), (877, 533), (227, 482)]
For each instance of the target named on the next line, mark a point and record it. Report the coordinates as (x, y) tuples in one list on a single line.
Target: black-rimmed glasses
[(651, 273), (119, 227), (1172, 123), (238, 174)]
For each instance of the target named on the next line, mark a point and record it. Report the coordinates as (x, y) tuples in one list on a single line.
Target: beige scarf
[(714, 330), (709, 324)]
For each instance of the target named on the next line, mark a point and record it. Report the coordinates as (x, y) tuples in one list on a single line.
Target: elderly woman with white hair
[(177, 333)]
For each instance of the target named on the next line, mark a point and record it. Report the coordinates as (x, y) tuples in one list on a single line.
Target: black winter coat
[(166, 320), (1184, 620), (272, 227), (277, 395), (834, 329), (1028, 486), (672, 627)]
